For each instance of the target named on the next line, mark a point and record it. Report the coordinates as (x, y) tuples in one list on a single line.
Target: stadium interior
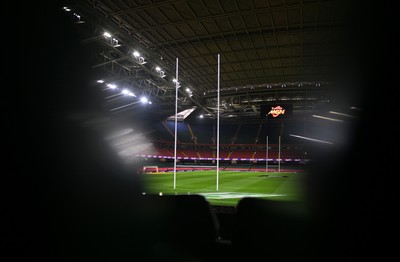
[(135, 110)]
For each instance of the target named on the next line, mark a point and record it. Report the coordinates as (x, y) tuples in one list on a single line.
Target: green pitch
[(232, 185)]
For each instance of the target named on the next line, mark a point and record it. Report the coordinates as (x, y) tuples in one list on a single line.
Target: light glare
[(328, 118), (125, 91), (311, 139), (112, 86)]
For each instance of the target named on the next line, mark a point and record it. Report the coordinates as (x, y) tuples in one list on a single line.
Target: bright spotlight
[(106, 34), (136, 54), (112, 86), (141, 60), (144, 99), (125, 91), (201, 116), (158, 69), (188, 90), (115, 42), (100, 81)]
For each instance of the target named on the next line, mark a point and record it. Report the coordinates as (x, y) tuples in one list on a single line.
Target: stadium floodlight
[(115, 42), (107, 34), (141, 60), (128, 93), (160, 71), (112, 86), (143, 100), (125, 91), (78, 19), (100, 81), (177, 84)]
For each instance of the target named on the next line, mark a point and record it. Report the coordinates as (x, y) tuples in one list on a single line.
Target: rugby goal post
[(150, 169)]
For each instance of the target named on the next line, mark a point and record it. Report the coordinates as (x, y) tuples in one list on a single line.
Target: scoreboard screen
[(276, 111)]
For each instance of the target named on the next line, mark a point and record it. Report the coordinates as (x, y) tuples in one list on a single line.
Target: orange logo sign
[(276, 111)]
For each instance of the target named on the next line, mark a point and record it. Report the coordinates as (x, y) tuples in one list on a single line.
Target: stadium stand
[(241, 154), (272, 130), (159, 132), (203, 133), (183, 131), (227, 133), (254, 150), (247, 134)]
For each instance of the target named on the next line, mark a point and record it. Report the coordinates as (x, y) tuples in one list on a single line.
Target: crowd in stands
[(243, 142)]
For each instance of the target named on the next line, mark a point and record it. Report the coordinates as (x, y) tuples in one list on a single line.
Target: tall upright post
[(176, 121), (266, 156), (218, 83), (279, 155)]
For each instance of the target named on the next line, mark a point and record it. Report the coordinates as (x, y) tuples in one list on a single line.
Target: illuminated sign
[(276, 111)]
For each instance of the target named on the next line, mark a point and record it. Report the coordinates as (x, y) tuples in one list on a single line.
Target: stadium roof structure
[(271, 51)]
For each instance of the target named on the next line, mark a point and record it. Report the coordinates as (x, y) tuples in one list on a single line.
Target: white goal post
[(150, 169)]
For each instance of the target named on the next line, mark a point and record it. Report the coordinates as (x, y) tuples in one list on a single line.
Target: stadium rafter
[(270, 50)]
